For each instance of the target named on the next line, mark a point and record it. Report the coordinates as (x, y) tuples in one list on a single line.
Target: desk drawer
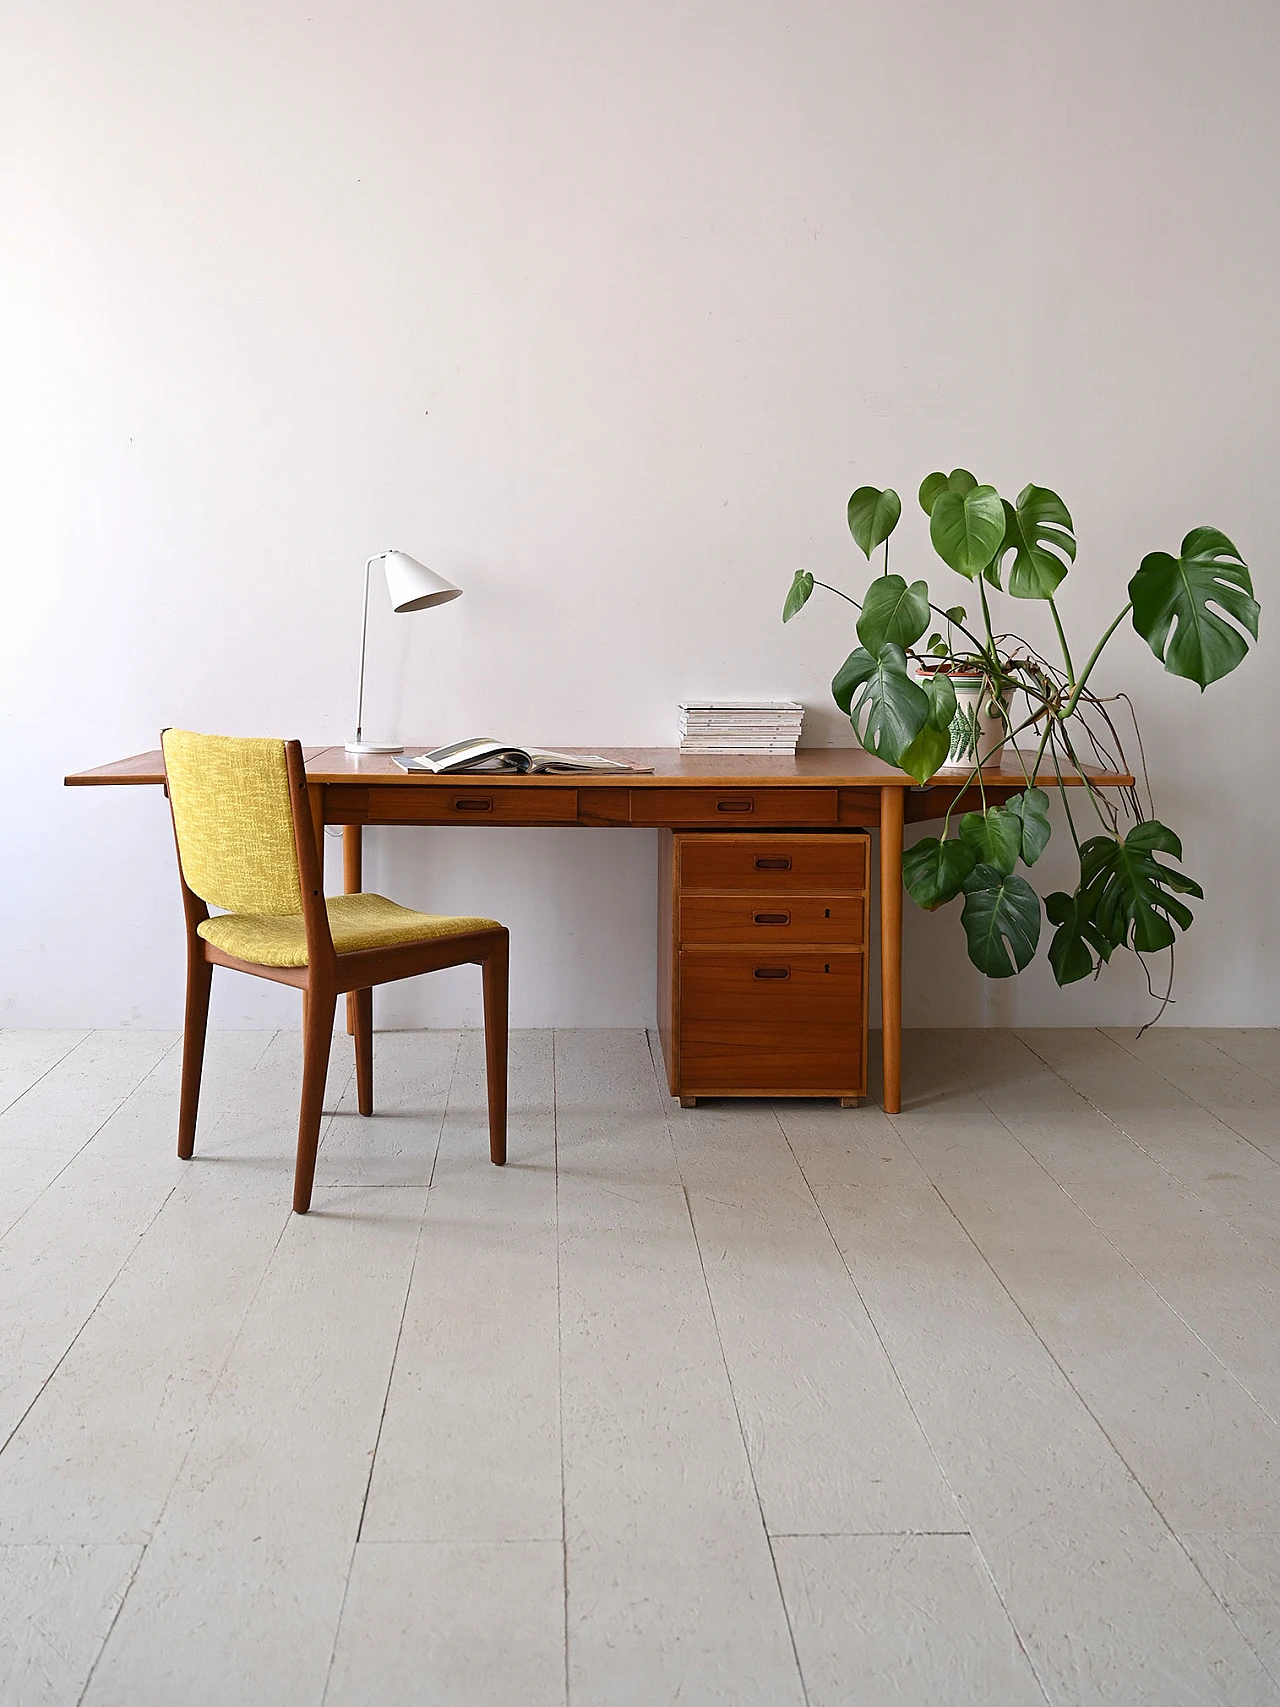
[(734, 807), (765, 922), (472, 803), (769, 864), (780, 1023)]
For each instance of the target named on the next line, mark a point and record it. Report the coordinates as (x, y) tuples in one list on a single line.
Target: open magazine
[(482, 753)]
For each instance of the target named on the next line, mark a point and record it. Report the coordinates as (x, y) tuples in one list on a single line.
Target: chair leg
[(363, 1005), (195, 1025), (317, 1038), (495, 971)]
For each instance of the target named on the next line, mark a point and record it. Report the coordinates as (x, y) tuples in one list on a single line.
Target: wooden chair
[(247, 843)]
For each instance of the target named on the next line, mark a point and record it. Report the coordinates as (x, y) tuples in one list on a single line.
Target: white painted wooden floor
[(748, 1404)]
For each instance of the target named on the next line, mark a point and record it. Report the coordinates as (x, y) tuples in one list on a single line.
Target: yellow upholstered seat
[(248, 829), (356, 921)]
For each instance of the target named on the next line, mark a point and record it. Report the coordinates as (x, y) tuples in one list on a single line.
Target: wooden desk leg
[(891, 803), (352, 883)]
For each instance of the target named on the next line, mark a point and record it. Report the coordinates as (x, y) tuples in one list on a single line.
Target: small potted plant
[(951, 707)]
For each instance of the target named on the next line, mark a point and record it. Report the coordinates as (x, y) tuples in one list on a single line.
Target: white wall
[(602, 309)]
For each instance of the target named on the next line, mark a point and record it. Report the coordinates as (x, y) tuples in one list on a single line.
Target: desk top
[(846, 767)]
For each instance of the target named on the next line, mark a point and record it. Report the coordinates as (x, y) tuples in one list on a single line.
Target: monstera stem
[(938, 611), (976, 773), (838, 593), (990, 647), (1066, 804), (1101, 806), (1070, 706), (1009, 736), (1062, 641)]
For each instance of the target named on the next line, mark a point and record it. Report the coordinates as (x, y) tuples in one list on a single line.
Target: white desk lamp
[(412, 586)]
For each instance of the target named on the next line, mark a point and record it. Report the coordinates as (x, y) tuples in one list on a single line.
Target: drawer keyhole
[(773, 971), (473, 804), (827, 913), (771, 918), (774, 863), (735, 805)]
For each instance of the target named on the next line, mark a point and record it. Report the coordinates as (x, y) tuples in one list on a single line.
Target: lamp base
[(373, 747)]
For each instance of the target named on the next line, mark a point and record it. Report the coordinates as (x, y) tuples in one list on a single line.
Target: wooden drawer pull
[(735, 805), (771, 918), (778, 862), (473, 803), (773, 971)]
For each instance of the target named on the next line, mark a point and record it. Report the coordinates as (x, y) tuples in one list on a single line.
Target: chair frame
[(328, 975)]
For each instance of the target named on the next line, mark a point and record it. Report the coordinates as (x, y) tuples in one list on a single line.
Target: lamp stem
[(364, 642)]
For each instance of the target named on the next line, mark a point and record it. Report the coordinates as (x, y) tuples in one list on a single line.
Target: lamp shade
[(413, 586)]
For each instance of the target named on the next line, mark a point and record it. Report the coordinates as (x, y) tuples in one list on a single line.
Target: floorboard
[(1258, 1049), (98, 1453), (26, 1056), (1193, 1436), (1223, 1287), (433, 1624), (672, 1590), (901, 1621), (214, 1623), (470, 1444), (833, 1443), (1243, 1097), (747, 1405), (1224, 1170), (1074, 1546), (57, 1605)]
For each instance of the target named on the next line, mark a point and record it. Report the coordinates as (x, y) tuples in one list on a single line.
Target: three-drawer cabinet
[(762, 976)]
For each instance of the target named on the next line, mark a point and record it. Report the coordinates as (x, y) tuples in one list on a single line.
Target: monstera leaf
[(892, 610), (1001, 919), (889, 709), (923, 756), (1076, 935), (933, 743), (1038, 531), (995, 837), (797, 594), (1031, 809), (959, 481), (967, 528), (934, 871), (1173, 600), (873, 515), (851, 675), (941, 694), (1128, 894)]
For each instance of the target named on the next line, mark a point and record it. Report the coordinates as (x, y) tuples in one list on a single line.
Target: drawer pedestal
[(762, 964)]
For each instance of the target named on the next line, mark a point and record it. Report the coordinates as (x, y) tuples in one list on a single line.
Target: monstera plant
[(1197, 613)]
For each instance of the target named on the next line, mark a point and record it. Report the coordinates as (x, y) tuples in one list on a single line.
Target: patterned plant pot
[(980, 726)]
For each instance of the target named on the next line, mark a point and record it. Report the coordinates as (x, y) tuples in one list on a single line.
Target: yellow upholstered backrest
[(233, 820)]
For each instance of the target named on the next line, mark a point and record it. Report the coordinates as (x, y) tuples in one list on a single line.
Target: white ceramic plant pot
[(981, 724)]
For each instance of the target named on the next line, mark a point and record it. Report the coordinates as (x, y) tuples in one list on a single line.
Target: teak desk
[(828, 789)]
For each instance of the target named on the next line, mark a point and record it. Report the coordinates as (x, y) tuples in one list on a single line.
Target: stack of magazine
[(740, 725)]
